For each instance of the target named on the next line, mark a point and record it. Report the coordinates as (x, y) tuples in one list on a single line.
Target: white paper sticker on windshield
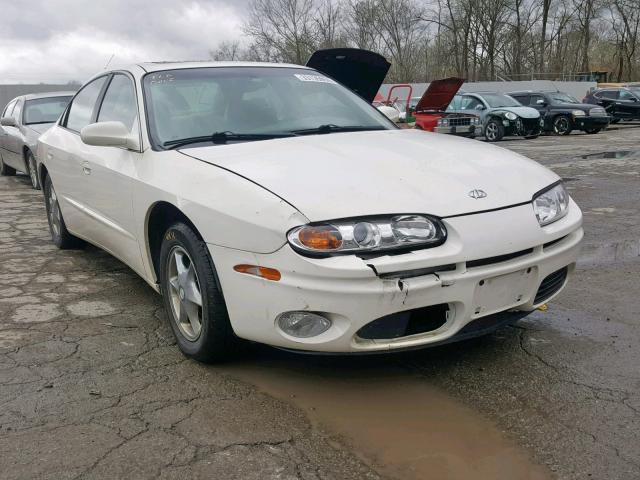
[(313, 78)]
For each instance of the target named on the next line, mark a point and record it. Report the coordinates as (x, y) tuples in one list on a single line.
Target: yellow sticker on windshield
[(313, 78)]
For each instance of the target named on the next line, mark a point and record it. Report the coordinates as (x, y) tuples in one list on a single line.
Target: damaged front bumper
[(477, 273)]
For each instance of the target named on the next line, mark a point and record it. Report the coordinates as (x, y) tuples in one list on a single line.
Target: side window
[(119, 103), (8, 109), (523, 99), (81, 109), (610, 94), (625, 95), (17, 112), (535, 99), (470, 103)]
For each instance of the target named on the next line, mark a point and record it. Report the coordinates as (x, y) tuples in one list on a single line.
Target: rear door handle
[(86, 168)]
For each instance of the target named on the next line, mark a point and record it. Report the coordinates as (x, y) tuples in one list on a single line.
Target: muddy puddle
[(394, 420)]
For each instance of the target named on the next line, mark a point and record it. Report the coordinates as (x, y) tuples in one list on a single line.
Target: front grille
[(553, 242), (550, 285), (500, 258), (530, 124), (402, 324), (459, 121)]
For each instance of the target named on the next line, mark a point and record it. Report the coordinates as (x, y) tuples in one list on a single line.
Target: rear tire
[(193, 298), (494, 131), (6, 170), (59, 233), (562, 125), (30, 160)]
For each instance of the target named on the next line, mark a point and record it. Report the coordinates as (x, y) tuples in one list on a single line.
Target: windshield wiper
[(331, 128), (219, 138)]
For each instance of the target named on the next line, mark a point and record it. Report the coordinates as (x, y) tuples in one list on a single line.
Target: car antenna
[(110, 58)]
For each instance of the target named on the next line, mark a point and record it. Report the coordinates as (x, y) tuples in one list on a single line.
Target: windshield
[(495, 100), (44, 110), (563, 98), (198, 102)]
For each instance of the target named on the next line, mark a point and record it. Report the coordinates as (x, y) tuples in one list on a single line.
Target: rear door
[(628, 105), (359, 70), (12, 155), (65, 158)]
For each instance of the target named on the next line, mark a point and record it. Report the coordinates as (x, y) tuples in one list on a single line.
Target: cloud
[(64, 40)]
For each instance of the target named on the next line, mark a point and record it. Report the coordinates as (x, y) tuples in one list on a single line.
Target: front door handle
[(86, 168)]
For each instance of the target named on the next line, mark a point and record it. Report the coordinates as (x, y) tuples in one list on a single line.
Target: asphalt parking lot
[(93, 386)]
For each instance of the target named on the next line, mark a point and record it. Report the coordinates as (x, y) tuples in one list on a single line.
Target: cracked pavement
[(93, 386)]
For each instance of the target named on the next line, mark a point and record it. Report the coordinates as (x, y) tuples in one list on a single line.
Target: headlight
[(551, 204), (475, 121), (578, 113), (372, 234), (510, 116)]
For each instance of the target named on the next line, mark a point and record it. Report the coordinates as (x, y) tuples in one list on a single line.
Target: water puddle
[(614, 154), (396, 421)]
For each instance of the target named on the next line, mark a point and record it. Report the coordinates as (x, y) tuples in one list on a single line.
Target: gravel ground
[(93, 386)]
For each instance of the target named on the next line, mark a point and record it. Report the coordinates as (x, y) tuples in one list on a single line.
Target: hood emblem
[(477, 194)]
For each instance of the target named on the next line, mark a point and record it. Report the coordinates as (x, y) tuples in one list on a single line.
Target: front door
[(107, 176)]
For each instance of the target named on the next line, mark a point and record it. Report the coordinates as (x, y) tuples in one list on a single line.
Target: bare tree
[(227, 51), (283, 29)]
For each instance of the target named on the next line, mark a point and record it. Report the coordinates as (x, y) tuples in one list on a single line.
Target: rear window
[(44, 110)]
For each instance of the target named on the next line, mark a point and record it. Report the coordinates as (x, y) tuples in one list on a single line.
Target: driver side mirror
[(541, 102), (480, 107), (8, 122), (109, 134)]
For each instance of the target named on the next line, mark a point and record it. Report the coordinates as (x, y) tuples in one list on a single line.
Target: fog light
[(303, 324)]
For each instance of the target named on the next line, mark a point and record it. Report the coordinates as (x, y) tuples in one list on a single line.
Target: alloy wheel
[(33, 173), (492, 131), (184, 292), (55, 219), (561, 125)]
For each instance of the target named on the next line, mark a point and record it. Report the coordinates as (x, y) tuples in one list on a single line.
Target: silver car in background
[(23, 120)]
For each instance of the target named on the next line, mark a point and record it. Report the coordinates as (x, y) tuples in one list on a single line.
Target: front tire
[(6, 170), (33, 170), (59, 233), (494, 131), (562, 125), (193, 297)]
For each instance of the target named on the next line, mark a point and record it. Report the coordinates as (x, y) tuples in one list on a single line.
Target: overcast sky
[(62, 40)]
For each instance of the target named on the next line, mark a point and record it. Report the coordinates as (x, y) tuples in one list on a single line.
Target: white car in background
[(268, 202), (23, 120)]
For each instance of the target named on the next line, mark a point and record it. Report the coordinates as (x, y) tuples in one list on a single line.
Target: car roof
[(160, 66), (33, 96), (529, 92)]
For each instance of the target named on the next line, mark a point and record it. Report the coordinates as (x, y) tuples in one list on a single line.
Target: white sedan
[(270, 203)]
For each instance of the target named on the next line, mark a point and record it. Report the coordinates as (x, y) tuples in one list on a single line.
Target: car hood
[(382, 172), (439, 94), (359, 70), (523, 112)]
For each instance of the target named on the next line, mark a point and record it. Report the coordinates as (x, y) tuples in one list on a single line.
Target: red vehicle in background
[(431, 115)]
